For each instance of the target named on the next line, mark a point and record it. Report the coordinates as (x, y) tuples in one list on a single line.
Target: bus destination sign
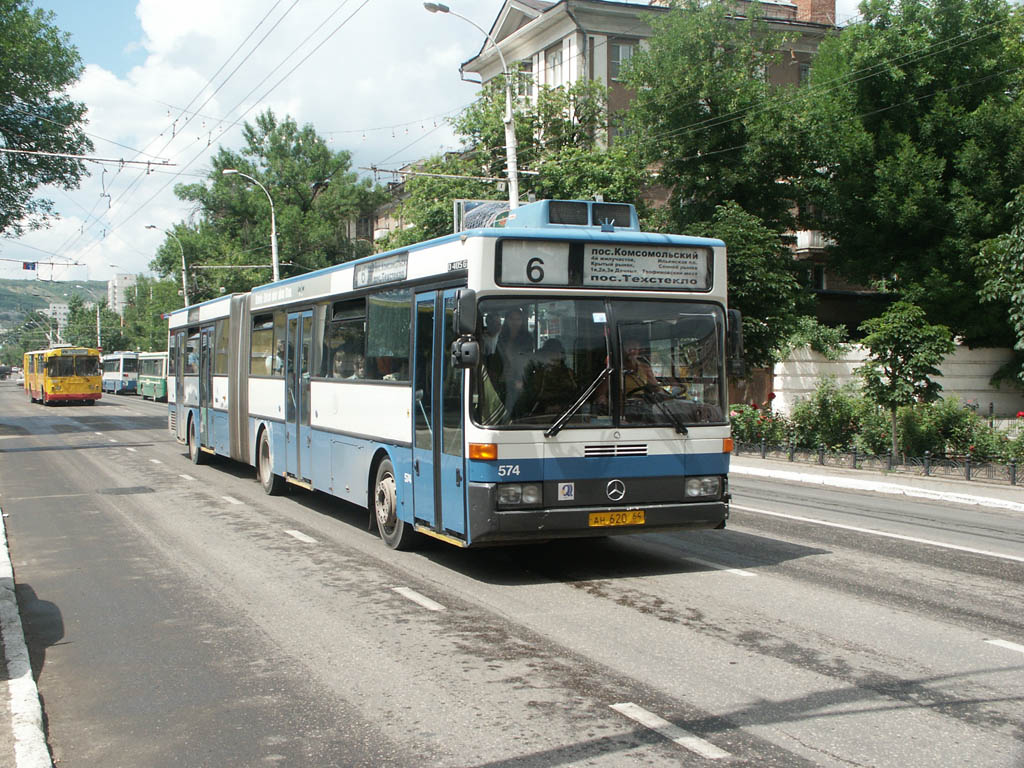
[(650, 267)]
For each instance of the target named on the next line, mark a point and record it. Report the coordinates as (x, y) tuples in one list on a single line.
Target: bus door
[(206, 386), (298, 434), (179, 386), (439, 484)]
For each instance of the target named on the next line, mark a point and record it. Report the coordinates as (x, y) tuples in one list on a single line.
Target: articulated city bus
[(563, 375), (152, 382), (63, 374), (121, 372)]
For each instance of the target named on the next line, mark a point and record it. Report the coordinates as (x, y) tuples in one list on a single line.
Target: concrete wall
[(965, 374)]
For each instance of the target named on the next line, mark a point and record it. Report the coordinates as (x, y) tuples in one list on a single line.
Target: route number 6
[(535, 270)]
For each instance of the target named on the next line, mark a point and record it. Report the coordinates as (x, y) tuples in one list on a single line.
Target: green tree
[(81, 327), (904, 352), (763, 280), (706, 114), (318, 201), (37, 65), (145, 327), (559, 136), (1000, 264), (918, 140)]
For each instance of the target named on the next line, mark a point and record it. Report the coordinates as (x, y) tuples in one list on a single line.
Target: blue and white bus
[(121, 372), (563, 375)]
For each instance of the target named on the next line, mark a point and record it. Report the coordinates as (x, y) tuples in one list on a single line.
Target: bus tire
[(272, 484), (194, 452), (395, 532)]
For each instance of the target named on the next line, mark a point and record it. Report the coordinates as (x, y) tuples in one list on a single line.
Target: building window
[(553, 64), (524, 86), (805, 72), (618, 54)]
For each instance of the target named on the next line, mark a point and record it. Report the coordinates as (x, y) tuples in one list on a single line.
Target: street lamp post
[(273, 221), (184, 282), (510, 129)]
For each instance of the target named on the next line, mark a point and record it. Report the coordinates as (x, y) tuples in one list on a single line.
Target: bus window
[(387, 335), (220, 349), (345, 341), (192, 354), (87, 366), (172, 354)]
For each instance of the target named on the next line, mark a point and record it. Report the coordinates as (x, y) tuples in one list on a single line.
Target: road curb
[(30, 749), (856, 484)]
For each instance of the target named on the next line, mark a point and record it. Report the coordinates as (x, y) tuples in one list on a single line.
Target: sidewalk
[(975, 492), (22, 740)]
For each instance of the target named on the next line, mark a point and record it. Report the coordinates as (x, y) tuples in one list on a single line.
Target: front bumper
[(488, 524)]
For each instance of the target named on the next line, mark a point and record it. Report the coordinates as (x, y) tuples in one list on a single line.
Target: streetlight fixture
[(273, 221), (184, 281), (510, 129)]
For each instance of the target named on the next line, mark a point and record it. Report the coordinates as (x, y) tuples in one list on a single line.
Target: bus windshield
[(72, 365), (541, 356)]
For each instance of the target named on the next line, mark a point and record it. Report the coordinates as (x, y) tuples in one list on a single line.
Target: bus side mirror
[(465, 312), (736, 366), (465, 352)]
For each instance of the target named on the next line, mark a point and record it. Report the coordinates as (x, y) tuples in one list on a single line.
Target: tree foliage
[(1000, 264), (707, 116), (559, 135), (317, 200), (918, 137), (763, 281), (904, 352), (37, 65)]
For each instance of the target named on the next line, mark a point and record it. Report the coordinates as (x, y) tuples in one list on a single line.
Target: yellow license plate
[(606, 519)]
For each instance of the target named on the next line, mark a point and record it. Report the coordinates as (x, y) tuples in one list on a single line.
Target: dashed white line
[(416, 597), (112, 440), (1007, 644), (884, 534), (98, 433), (130, 449), (719, 567), (301, 536), (186, 477), (231, 500), (670, 731), (155, 461)]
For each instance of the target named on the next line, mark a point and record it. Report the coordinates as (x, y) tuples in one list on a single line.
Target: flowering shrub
[(752, 423)]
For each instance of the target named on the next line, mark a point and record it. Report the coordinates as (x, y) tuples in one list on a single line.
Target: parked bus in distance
[(561, 374), (153, 375), (63, 374), (121, 372)]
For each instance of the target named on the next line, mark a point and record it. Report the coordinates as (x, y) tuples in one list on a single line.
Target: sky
[(375, 77)]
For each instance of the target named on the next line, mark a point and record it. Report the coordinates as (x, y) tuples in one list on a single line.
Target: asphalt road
[(178, 616)]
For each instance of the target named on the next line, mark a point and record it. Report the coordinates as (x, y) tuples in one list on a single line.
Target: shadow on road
[(43, 625)]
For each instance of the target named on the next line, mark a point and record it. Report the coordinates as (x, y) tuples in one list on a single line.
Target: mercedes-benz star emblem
[(616, 490)]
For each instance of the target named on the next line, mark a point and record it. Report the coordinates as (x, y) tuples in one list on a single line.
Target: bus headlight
[(703, 487), (519, 495)]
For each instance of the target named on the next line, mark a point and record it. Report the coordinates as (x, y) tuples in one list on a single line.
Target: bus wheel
[(272, 484), (194, 453), (395, 532)]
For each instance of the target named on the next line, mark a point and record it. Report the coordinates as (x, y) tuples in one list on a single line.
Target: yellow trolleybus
[(63, 374)]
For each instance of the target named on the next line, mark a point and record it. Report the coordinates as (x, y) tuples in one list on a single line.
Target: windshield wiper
[(562, 420), (675, 418)]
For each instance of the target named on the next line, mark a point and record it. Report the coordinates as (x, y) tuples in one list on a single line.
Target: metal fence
[(961, 468)]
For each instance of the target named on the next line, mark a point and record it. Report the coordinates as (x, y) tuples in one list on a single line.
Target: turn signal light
[(727, 445), (483, 451)]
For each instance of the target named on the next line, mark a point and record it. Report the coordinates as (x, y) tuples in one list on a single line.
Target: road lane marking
[(130, 449), (186, 477), (155, 461), (884, 534), (1007, 644), (719, 567), (671, 731), (98, 433), (231, 500), (112, 440), (416, 597), (301, 536)]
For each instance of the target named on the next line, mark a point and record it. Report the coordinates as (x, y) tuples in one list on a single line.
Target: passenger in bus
[(550, 385), (492, 328), (275, 362), (514, 350)]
